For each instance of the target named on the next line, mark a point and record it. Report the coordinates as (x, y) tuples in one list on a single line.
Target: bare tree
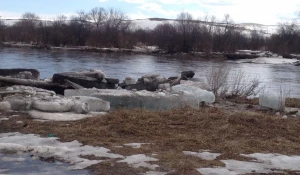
[(116, 26), (166, 37), (28, 25), (99, 16), (80, 28), (185, 25)]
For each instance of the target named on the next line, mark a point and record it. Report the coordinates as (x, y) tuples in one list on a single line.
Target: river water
[(48, 62)]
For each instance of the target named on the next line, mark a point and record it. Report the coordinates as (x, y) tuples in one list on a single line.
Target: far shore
[(147, 50)]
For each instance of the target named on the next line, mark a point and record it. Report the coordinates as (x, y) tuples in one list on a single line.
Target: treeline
[(102, 27)]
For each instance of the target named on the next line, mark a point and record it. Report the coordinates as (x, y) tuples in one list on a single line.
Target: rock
[(95, 104), (35, 74), (185, 75), (24, 75), (151, 76), (286, 55), (284, 117), (160, 80), (175, 82), (237, 56), (146, 99), (53, 104), (147, 80), (173, 78), (85, 81), (112, 81), (129, 81), (277, 114), (200, 94), (94, 73), (5, 106), (165, 86), (142, 86), (271, 100)]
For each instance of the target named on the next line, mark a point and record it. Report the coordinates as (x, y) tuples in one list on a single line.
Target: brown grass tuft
[(174, 131)]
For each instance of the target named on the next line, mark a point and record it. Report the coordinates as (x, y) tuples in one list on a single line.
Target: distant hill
[(151, 23)]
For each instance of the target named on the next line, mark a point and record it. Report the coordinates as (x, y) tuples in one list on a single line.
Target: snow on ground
[(140, 160), (17, 164), (265, 163), (264, 60), (65, 116), (135, 145), (49, 147), (69, 152), (278, 160), (155, 173), (203, 155)]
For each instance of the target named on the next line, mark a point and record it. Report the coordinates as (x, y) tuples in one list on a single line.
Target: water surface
[(48, 62)]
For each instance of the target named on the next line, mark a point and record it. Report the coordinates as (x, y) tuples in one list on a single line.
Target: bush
[(239, 84)]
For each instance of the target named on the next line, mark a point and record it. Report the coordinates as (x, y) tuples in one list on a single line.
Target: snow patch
[(66, 116), (155, 173), (140, 160), (69, 152), (277, 160), (203, 155), (135, 145), (216, 171), (266, 163)]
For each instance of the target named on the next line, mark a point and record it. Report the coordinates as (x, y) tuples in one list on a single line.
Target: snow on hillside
[(247, 27), (153, 22)]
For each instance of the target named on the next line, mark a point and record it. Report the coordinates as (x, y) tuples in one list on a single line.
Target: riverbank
[(147, 50), (174, 139)]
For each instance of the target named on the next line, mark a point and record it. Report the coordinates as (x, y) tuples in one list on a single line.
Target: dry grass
[(171, 132), (292, 102)]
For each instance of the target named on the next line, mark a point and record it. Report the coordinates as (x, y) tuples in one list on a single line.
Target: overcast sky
[(241, 11)]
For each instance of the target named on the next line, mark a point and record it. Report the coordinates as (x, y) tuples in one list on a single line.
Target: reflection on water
[(22, 163), (123, 65)]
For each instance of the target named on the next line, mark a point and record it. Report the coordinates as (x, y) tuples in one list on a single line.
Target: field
[(169, 133)]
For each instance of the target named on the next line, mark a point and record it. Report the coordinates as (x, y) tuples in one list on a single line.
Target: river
[(48, 62)]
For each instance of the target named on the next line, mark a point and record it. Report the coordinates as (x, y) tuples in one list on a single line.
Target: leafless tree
[(166, 37), (27, 27), (99, 16), (185, 26)]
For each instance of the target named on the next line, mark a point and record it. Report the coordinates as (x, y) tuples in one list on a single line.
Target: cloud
[(14, 15), (158, 9), (138, 15), (102, 0), (135, 1), (256, 11)]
